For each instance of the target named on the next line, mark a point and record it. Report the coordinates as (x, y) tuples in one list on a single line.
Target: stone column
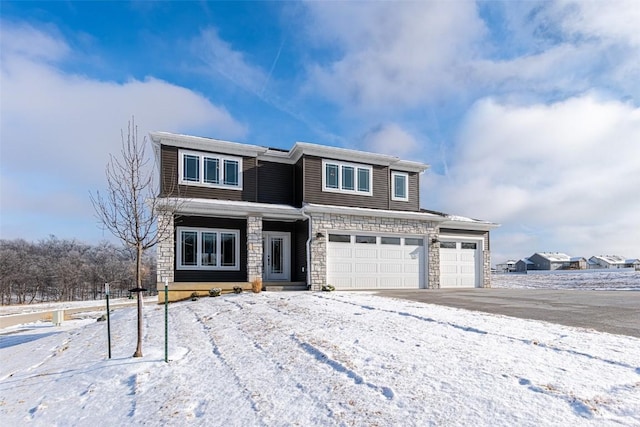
[(165, 250), (434, 259), (318, 267), (254, 248)]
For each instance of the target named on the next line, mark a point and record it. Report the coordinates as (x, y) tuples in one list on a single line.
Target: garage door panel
[(387, 263), (458, 264)]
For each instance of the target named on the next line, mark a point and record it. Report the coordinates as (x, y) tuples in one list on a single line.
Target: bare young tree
[(131, 207)]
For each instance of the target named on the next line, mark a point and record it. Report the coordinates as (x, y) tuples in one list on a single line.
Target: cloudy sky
[(527, 112)]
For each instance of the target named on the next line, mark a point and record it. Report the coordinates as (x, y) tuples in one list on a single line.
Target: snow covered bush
[(215, 292), (328, 288), (194, 296), (237, 290)]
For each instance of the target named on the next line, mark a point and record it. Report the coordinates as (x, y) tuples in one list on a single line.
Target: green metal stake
[(166, 320), (106, 293)]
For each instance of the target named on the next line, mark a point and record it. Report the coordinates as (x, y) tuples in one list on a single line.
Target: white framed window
[(341, 177), (400, 186), (209, 170), (207, 249)]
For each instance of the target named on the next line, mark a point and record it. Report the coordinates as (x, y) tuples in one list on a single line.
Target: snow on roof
[(526, 261), (611, 259), (555, 256)]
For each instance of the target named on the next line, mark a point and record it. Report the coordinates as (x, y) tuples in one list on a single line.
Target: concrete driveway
[(616, 312)]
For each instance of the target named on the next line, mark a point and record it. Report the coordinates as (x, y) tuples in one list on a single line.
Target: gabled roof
[(284, 156), (610, 259), (554, 256), (527, 261)]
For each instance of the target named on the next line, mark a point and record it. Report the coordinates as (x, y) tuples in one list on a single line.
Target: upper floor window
[(210, 170), (400, 186), (346, 177)]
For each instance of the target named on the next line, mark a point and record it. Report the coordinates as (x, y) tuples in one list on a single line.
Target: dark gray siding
[(299, 234), (170, 186), (275, 183), (208, 275), (298, 184), (414, 195), (313, 188)]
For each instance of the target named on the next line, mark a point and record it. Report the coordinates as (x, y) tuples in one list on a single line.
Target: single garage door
[(357, 261), (459, 263)]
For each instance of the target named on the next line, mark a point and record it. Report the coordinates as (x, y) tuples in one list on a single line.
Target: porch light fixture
[(434, 241), (319, 235)]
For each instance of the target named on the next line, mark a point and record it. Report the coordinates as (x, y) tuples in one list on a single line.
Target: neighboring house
[(312, 215), (578, 263), (613, 261), (525, 264), (508, 266), (550, 261)]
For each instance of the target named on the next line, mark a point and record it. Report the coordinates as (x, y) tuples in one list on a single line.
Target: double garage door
[(394, 262), (375, 262)]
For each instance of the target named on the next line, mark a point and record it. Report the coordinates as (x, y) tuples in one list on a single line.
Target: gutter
[(308, 217)]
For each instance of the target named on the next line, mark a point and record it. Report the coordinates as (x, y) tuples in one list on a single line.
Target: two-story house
[(311, 215)]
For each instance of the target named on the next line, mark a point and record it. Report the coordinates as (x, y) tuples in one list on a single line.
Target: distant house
[(524, 265), (578, 263), (506, 267), (613, 261)]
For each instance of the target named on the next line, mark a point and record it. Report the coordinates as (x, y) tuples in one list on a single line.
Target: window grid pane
[(189, 242), (211, 170), (366, 239), (363, 180), (389, 240), (227, 249), (331, 179), (400, 186), (348, 178), (208, 256), (230, 172), (191, 168)]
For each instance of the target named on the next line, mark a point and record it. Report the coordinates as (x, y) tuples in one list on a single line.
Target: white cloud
[(58, 128), (390, 54), (390, 139), (566, 171)]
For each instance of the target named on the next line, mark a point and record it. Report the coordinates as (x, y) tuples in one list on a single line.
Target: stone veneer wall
[(323, 223), (165, 251), (486, 268), (254, 248)]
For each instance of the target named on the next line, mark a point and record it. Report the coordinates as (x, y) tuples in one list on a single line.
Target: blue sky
[(527, 112)]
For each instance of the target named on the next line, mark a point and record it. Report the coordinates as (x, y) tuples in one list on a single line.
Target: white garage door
[(459, 263), (375, 262)]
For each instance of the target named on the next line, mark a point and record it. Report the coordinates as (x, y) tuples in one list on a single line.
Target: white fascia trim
[(206, 144), (338, 153), (209, 207), (468, 224), (409, 166), (343, 210)]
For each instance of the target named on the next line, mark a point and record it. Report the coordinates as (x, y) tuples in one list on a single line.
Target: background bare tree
[(130, 207)]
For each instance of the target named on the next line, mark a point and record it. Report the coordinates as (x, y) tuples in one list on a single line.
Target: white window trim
[(199, 232), (340, 165), (201, 183), (393, 186)]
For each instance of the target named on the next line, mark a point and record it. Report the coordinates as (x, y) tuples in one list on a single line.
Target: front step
[(284, 286)]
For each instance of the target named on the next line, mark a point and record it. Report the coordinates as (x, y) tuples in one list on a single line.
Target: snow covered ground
[(307, 359), (583, 280)]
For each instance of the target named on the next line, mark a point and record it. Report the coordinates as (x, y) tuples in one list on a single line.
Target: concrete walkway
[(616, 312)]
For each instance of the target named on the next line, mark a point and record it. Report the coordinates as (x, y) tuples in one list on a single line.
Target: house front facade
[(309, 216)]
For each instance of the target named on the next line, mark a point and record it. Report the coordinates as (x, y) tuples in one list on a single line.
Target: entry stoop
[(284, 286)]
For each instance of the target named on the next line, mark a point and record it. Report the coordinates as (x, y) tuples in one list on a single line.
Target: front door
[(277, 256)]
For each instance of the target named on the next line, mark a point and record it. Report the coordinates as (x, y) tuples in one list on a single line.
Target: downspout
[(308, 217)]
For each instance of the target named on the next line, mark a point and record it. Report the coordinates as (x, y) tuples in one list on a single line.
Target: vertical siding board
[(275, 183)]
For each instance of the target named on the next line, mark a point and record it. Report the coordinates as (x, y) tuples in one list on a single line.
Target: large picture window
[(207, 249), (346, 177), (210, 170), (400, 186)]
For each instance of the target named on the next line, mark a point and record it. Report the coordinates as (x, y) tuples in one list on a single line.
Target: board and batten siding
[(170, 187), (276, 182)]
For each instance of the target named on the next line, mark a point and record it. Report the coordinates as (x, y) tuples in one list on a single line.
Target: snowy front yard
[(318, 359)]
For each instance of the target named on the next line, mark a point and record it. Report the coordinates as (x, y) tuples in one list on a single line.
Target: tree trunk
[(138, 352)]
